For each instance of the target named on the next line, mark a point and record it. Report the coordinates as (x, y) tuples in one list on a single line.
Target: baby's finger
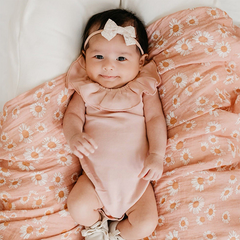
[(143, 173), (83, 150), (149, 176), (77, 153), (91, 141)]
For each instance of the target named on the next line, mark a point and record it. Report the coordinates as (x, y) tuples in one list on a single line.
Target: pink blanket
[(197, 53)]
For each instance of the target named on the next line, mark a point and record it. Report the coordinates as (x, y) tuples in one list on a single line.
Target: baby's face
[(112, 64)]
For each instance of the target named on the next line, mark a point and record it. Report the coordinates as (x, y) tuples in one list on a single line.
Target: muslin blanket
[(197, 53)]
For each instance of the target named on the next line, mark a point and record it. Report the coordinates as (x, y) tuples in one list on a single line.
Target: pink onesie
[(115, 120)]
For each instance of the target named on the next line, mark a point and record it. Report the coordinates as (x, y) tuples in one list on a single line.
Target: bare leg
[(142, 217), (83, 202)]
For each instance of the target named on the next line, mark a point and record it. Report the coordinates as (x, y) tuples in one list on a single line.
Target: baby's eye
[(98, 56), (121, 59)]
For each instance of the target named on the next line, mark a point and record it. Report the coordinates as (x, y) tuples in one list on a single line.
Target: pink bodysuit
[(115, 120)]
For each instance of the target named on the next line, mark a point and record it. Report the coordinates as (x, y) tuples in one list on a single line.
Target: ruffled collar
[(119, 99)]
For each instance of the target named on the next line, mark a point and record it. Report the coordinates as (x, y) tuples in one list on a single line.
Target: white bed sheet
[(39, 39)]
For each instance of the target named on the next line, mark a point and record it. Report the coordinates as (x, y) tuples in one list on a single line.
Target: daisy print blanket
[(197, 53)]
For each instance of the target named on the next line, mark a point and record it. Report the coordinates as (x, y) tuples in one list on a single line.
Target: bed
[(196, 47)]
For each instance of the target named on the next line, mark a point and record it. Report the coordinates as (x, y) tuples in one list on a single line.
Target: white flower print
[(4, 137), (184, 47), (227, 192), (236, 135), (26, 231), (213, 12), (226, 217), (213, 139), (185, 156), (222, 95), (198, 183), (204, 146), (63, 97), (214, 78), (50, 84), (223, 31), (172, 235), (229, 80), (61, 194), (176, 101), (26, 166), (41, 127), (33, 154), (197, 79), (39, 202), (155, 36), (47, 98), (232, 179), (38, 94), (58, 179), (171, 119), (173, 205), (173, 187), (161, 43), (183, 223), (162, 91), (15, 183), (39, 178), (176, 28), (41, 230), (166, 65), (38, 110), (161, 220), (10, 146), (203, 38), (58, 115), (15, 112), (180, 80), (223, 49), (202, 101), (211, 211), (192, 21), (189, 125), (51, 144), (196, 205), (212, 127), (217, 151), (168, 160), (209, 235), (233, 236), (25, 133), (209, 51)]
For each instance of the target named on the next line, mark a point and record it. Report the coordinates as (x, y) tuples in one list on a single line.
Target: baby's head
[(114, 46)]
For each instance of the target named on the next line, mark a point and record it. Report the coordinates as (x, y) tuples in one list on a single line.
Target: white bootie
[(114, 234), (98, 231)]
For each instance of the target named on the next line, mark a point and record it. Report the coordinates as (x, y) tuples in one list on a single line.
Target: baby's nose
[(108, 65)]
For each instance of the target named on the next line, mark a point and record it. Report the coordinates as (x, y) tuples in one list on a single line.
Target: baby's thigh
[(144, 212), (83, 197)]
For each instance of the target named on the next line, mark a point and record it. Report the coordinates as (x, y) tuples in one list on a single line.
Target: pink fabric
[(198, 196), (197, 52), (115, 120)]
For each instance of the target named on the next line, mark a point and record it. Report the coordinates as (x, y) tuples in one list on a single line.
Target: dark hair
[(122, 18)]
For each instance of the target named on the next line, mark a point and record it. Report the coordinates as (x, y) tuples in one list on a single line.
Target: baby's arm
[(157, 137), (74, 118)]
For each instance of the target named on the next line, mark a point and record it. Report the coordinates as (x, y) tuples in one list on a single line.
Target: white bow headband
[(111, 29)]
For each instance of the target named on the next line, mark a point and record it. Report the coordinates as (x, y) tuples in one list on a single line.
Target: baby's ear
[(143, 59), (82, 60)]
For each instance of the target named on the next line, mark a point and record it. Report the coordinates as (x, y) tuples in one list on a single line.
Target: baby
[(115, 125)]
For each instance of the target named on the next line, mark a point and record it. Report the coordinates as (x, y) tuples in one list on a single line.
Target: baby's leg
[(142, 217), (83, 203)]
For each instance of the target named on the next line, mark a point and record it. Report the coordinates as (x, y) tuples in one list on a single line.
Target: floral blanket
[(197, 52)]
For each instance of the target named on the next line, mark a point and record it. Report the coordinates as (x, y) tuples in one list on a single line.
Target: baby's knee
[(148, 226)]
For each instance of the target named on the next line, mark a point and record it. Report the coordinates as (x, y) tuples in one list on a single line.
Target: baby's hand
[(153, 167), (81, 144)]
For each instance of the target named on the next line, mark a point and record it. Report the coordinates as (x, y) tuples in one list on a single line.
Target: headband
[(111, 29)]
